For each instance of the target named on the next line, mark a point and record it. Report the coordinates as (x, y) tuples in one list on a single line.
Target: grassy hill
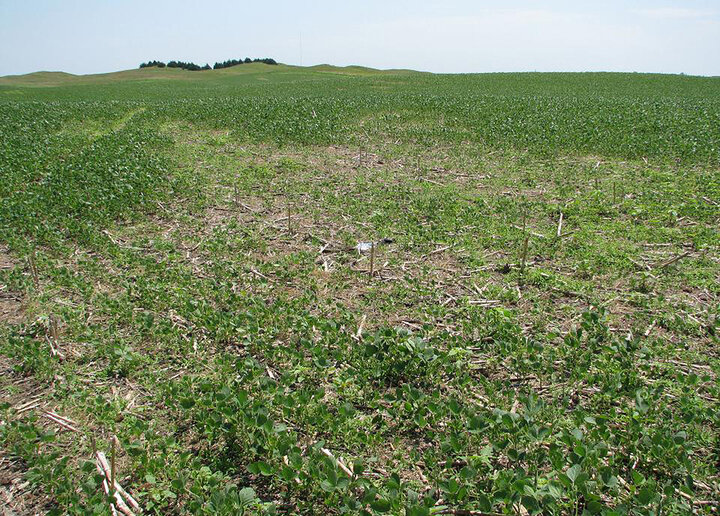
[(153, 73), (184, 265)]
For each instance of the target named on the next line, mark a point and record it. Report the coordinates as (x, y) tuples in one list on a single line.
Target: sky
[(85, 36)]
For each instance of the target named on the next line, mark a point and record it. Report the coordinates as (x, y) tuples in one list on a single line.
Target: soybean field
[(285, 290)]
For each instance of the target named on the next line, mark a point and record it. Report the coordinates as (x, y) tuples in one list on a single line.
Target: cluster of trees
[(176, 64), (187, 66), (159, 64), (235, 62), (194, 67)]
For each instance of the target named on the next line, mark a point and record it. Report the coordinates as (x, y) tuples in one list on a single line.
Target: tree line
[(235, 62), (194, 67)]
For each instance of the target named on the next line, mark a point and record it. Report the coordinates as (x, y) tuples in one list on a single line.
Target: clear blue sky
[(89, 36)]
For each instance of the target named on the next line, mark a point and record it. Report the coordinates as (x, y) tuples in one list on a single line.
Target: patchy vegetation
[(535, 332)]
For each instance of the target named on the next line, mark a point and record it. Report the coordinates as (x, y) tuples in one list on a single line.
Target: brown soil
[(11, 309)]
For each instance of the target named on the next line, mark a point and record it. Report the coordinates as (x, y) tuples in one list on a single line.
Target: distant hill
[(355, 69), (38, 78), (150, 73)]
